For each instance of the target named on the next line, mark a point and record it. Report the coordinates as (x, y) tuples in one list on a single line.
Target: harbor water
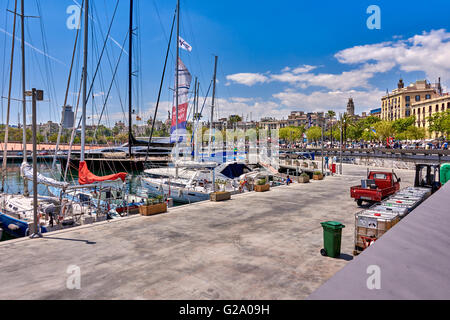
[(14, 183)]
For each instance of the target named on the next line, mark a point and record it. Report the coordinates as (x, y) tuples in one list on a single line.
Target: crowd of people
[(428, 145)]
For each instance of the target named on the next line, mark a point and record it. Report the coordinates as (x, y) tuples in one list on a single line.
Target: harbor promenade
[(255, 246)]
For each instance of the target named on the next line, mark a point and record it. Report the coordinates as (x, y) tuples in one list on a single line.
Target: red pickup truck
[(378, 186)]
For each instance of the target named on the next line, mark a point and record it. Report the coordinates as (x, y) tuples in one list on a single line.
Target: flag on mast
[(179, 129), (184, 45)]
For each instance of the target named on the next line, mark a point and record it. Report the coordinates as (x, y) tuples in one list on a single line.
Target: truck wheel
[(323, 252), (359, 202)]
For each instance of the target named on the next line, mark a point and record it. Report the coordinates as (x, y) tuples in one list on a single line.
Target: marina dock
[(255, 246)]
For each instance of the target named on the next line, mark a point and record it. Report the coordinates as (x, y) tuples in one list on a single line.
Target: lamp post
[(37, 95)]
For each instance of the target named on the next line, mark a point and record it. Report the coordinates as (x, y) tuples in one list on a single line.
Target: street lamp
[(37, 95)]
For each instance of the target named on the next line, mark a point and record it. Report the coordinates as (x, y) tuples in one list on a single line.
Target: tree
[(122, 137), (440, 123), (401, 125), (345, 122), (291, 134), (314, 133), (331, 115), (384, 130), (234, 119), (368, 135), (415, 133)]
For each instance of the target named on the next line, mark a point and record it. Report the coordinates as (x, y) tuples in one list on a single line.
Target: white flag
[(184, 45)]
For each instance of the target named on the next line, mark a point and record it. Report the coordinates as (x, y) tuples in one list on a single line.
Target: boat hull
[(179, 195), (16, 228)]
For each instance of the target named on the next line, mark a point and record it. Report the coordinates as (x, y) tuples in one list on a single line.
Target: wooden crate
[(153, 209), (303, 179), (318, 177), (371, 226), (263, 188), (220, 196)]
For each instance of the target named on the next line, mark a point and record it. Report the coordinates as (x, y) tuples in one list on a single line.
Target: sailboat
[(132, 155), (17, 212), (191, 180), (109, 199)]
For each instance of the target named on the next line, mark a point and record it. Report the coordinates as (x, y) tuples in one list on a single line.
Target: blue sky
[(274, 57)]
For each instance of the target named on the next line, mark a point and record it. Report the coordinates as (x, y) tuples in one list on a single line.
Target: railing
[(396, 154)]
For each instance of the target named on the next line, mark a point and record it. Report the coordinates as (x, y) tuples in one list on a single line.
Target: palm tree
[(346, 119), (331, 115)]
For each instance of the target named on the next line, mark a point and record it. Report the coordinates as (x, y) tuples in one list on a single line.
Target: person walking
[(326, 162)]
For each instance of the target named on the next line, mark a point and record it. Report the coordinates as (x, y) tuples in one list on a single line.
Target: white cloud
[(428, 52), (303, 69), (248, 107), (248, 79), (326, 100)]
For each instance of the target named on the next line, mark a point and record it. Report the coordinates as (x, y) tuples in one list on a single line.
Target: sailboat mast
[(24, 102), (213, 104), (130, 82), (177, 76), (5, 151), (85, 61)]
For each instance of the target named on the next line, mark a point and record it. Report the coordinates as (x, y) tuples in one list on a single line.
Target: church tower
[(350, 107)]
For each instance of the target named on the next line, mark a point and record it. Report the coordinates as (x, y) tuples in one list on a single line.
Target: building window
[(407, 98), (418, 98), (430, 109), (437, 108), (428, 96), (448, 105), (443, 107), (407, 105)]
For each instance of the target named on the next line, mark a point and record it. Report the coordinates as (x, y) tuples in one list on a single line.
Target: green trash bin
[(445, 173), (332, 234)]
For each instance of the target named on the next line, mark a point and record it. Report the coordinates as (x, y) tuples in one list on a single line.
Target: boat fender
[(13, 227)]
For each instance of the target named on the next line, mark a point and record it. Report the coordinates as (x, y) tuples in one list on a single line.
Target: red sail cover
[(87, 177)]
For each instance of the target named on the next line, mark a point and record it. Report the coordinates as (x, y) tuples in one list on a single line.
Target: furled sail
[(86, 177), (27, 173), (178, 128)]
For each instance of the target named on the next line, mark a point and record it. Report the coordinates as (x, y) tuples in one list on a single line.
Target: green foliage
[(368, 135), (314, 133), (440, 123), (401, 125), (384, 130), (234, 119), (292, 134), (415, 133), (261, 182)]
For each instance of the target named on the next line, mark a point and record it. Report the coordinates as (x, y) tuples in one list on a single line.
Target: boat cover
[(87, 177), (27, 173)]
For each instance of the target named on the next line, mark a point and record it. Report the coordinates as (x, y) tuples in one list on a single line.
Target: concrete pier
[(255, 246)]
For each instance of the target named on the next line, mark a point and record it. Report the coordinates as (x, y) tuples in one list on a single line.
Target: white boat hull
[(178, 194)]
